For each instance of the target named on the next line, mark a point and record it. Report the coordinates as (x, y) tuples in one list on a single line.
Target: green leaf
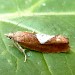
[(42, 16)]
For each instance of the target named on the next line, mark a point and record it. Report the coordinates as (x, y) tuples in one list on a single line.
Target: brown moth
[(40, 42)]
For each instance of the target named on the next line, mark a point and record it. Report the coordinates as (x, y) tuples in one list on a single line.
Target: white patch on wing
[(42, 38)]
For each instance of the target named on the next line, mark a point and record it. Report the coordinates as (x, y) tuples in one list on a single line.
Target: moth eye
[(10, 38)]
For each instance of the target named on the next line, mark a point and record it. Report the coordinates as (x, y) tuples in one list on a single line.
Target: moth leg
[(21, 50)]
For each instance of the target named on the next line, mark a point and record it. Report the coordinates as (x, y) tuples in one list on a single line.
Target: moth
[(39, 42)]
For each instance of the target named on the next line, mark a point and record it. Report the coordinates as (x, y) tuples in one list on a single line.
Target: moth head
[(9, 35), (16, 36)]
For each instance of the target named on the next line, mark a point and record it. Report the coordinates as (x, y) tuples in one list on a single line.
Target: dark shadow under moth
[(41, 42)]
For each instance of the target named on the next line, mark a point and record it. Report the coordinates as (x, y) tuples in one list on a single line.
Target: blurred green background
[(42, 16)]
